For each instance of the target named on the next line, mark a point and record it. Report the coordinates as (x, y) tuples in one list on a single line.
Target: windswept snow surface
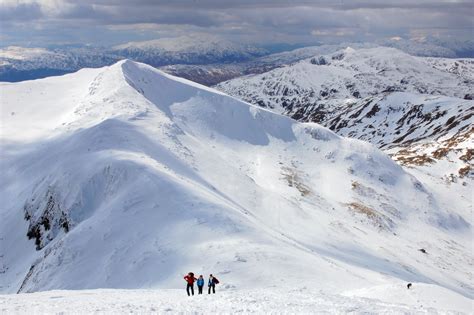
[(421, 298), (126, 177)]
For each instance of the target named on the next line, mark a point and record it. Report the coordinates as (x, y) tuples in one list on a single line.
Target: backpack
[(215, 280)]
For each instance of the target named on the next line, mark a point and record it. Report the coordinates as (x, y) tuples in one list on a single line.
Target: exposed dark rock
[(320, 61), (373, 111), (46, 219)]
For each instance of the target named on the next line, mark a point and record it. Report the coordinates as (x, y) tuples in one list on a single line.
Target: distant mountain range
[(207, 60), (18, 63)]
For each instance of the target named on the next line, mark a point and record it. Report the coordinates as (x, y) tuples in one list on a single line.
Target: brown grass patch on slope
[(418, 160), (464, 171), (295, 181), (468, 156), (378, 219)]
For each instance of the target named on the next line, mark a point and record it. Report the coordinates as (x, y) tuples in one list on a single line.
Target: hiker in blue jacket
[(200, 284), (212, 284)]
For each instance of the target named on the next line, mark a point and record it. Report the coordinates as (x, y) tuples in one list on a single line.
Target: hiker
[(190, 280), (212, 284), (200, 284)]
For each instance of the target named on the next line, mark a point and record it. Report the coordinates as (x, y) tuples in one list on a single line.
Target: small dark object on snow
[(422, 250), (409, 286)]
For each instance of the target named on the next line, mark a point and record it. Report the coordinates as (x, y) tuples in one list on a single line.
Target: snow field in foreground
[(390, 299)]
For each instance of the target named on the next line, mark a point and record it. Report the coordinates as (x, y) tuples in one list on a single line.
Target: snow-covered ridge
[(346, 74), (131, 177)]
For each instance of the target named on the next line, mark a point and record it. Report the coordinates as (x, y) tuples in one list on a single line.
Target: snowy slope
[(431, 136), (393, 100), (461, 67), (126, 177), (400, 120), (418, 128)]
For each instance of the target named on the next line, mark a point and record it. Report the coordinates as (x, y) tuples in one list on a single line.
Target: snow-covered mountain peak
[(96, 94), (349, 50), (136, 176), (377, 60)]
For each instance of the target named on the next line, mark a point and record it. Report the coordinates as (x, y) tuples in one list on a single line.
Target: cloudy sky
[(108, 22)]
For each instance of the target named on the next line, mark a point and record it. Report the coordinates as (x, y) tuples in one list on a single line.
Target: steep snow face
[(347, 74), (134, 177)]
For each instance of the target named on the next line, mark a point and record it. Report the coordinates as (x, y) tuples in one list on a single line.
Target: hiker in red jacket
[(190, 280)]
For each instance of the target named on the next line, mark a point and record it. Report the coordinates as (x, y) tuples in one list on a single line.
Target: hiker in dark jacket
[(190, 281), (200, 284), (212, 284)]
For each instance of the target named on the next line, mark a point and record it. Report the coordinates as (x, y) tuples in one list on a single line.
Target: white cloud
[(249, 20), (338, 32)]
